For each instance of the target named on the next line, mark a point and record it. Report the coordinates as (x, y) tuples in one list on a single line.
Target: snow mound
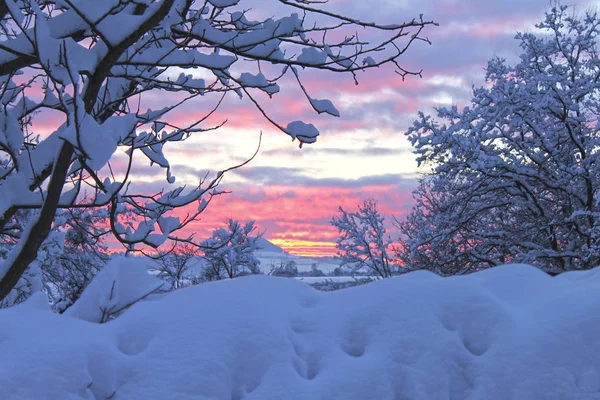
[(511, 332), (123, 281)]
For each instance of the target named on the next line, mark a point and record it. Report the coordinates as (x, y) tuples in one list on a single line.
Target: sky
[(293, 193)]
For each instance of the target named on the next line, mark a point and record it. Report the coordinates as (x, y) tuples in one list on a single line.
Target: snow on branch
[(98, 64)]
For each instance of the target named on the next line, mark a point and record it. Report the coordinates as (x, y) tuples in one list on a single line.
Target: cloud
[(266, 176), (297, 216), (293, 193), (357, 152)]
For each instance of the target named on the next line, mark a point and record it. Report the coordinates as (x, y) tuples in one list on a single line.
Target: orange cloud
[(297, 218)]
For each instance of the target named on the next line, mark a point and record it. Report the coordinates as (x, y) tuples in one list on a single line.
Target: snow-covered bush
[(67, 274), (288, 269), (338, 271), (229, 252), (68, 271), (97, 65), (363, 243), (123, 282), (173, 266), (315, 271), (509, 333), (329, 285), (515, 177)]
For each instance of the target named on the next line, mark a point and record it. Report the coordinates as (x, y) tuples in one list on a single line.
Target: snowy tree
[(363, 243), (95, 65), (329, 285), (229, 252), (315, 271), (338, 271), (173, 266), (79, 254), (515, 177), (68, 259)]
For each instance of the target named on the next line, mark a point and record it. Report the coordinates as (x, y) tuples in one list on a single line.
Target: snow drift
[(511, 332)]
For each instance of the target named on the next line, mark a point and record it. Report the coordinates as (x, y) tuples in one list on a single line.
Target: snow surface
[(265, 246), (121, 282), (306, 133), (324, 106), (511, 332), (336, 279)]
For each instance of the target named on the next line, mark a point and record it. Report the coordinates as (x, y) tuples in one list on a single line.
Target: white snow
[(258, 81), (306, 133), (223, 3), (265, 246), (120, 283), (511, 332), (312, 56), (369, 61), (324, 106)]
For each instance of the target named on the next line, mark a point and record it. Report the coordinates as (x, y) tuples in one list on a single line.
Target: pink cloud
[(297, 218)]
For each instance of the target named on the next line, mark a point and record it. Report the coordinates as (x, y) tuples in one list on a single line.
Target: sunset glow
[(293, 193)]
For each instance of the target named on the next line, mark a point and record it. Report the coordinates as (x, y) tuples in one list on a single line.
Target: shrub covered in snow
[(329, 285), (315, 271), (67, 261), (287, 269), (229, 252), (363, 243), (174, 265)]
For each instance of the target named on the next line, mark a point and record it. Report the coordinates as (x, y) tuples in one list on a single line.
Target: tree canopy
[(515, 176)]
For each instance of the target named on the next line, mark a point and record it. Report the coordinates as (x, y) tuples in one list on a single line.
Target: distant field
[(268, 259)]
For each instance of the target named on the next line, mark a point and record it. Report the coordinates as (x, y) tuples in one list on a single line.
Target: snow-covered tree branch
[(229, 252), (173, 265), (515, 177), (96, 64)]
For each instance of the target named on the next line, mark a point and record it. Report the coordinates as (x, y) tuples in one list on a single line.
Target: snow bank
[(512, 332), (122, 282)]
